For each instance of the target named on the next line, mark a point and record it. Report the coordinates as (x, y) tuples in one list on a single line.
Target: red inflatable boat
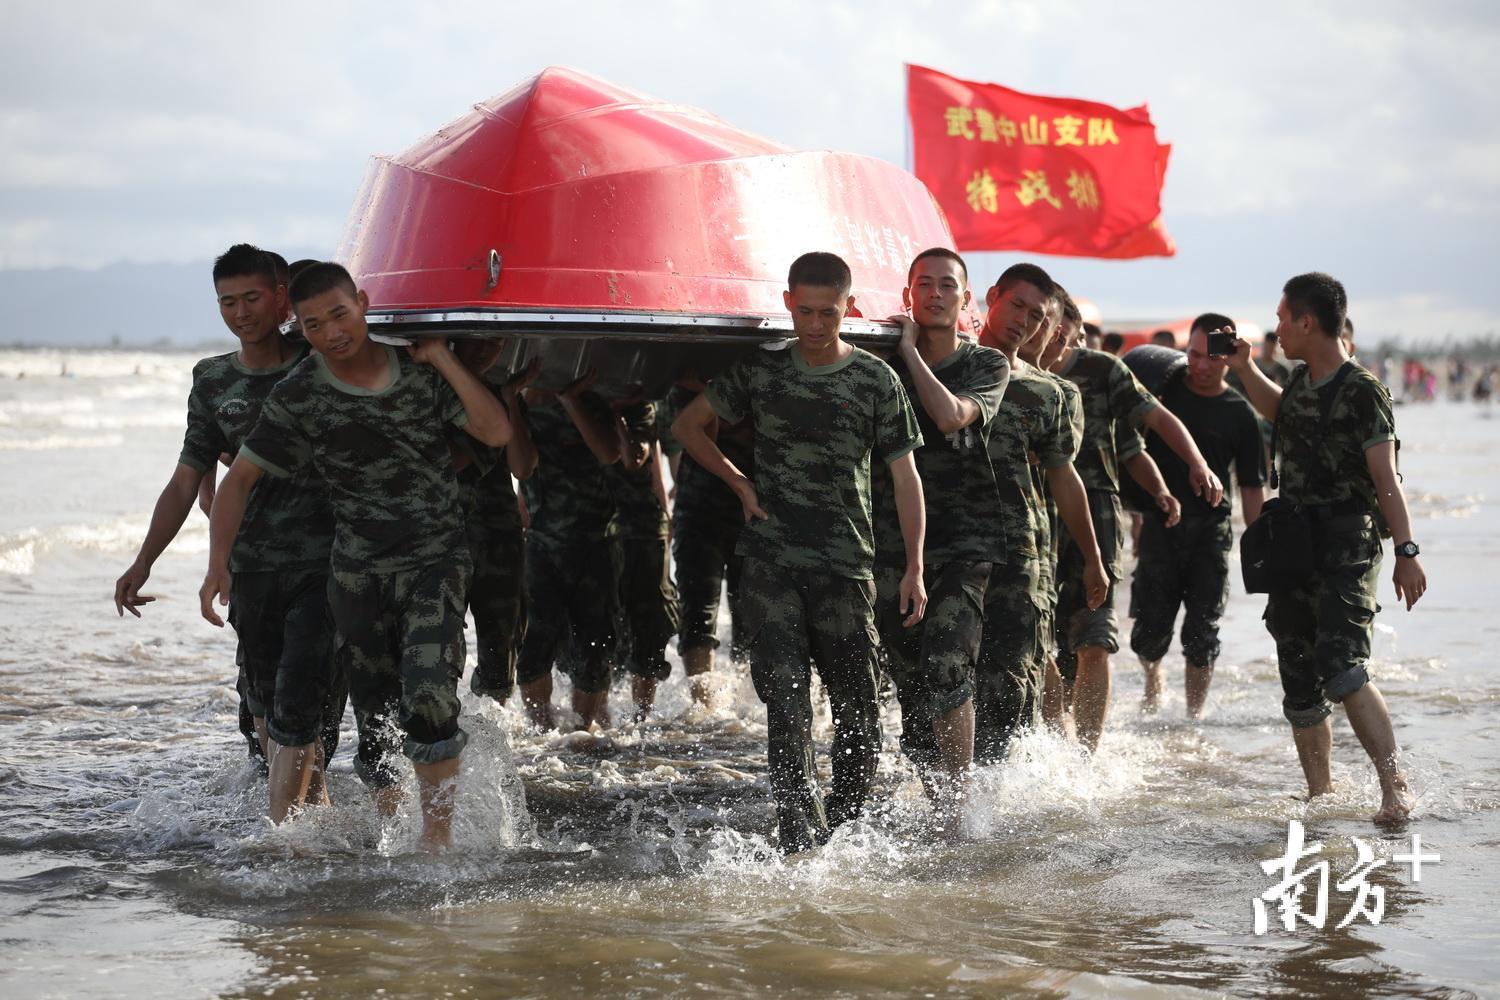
[(587, 222)]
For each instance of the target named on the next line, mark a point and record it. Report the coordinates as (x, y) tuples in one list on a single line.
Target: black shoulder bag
[(1276, 552)]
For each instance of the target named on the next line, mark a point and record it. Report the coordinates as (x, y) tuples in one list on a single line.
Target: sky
[(1361, 139)]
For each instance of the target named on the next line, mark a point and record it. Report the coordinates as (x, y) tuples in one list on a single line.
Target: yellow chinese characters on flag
[(1016, 171)]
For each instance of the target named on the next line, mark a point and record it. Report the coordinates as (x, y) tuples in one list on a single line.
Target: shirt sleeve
[(896, 432), (1128, 441), (986, 383), (730, 393), (276, 444), (1128, 399), (1371, 406), (1052, 440), (204, 441), (1072, 413)]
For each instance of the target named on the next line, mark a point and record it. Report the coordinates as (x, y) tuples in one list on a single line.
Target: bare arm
[(1147, 474), (1264, 394), (691, 429), (1409, 578), (659, 481), (949, 412), (172, 508), (633, 451), (520, 452), (206, 494), (1252, 498), (913, 514), (598, 433), (1073, 507), (1171, 430), (223, 526), (486, 419)]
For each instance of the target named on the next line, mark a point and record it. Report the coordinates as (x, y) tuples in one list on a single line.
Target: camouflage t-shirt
[(958, 484), (1070, 425), (567, 496), (1111, 395), (288, 522), (384, 454), (1032, 423), (815, 431), (1323, 462), (638, 513)]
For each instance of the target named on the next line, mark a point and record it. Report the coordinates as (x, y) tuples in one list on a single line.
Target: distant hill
[(125, 304)]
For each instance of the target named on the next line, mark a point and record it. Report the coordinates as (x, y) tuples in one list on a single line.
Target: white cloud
[(204, 124)]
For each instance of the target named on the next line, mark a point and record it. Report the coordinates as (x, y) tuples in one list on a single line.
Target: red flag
[(1015, 171)]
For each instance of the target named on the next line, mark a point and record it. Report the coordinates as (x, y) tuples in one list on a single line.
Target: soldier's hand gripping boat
[(594, 228)]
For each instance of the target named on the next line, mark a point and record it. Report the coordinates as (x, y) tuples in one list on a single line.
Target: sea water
[(135, 859)]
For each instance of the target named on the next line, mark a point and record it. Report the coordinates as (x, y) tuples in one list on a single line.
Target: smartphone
[(1220, 343)]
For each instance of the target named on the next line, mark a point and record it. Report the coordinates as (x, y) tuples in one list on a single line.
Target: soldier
[(822, 407), (569, 581), (1088, 636), (1187, 564), (638, 545), (1033, 425), (1041, 350), (371, 423), (957, 386), (706, 523), (492, 524), (1337, 440), (280, 560)]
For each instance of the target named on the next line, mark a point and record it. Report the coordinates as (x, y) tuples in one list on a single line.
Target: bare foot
[(1151, 700), (434, 841), (1395, 802)]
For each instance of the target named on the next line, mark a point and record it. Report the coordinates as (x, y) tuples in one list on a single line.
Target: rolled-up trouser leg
[(649, 601), (1322, 626)]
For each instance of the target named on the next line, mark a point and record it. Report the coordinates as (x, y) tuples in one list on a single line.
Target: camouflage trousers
[(569, 597), (1322, 626), (1184, 566), (796, 619), (290, 676), (932, 663), (401, 636), (704, 561), (497, 600), (1076, 624), (1008, 683), (647, 602)]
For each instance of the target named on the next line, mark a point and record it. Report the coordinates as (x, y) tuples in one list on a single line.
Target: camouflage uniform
[(569, 577), (1049, 541), (1033, 421), (1322, 626), (497, 598), (400, 563), (706, 523), (1111, 396), (638, 545), (278, 565), (1188, 565), (933, 662), (807, 580)]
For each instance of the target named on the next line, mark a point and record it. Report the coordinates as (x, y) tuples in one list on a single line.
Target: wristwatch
[(1407, 549)]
